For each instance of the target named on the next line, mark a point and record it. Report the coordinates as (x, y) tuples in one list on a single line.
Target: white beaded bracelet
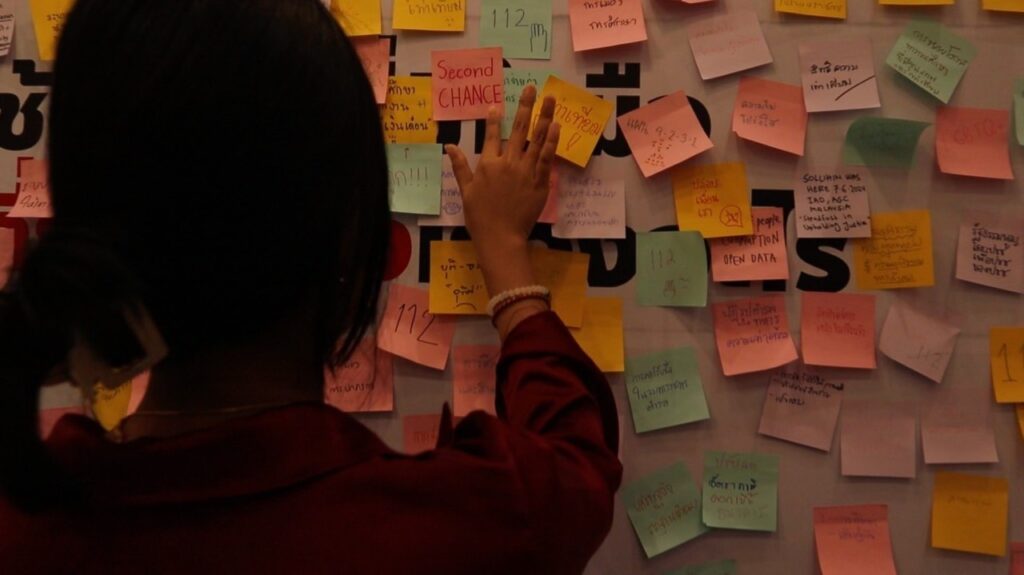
[(508, 297)]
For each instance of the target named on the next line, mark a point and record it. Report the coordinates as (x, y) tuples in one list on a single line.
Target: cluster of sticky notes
[(761, 256), (713, 199), (802, 407), (671, 269), (753, 334), (833, 203), (582, 117), (771, 114), (664, 508), (838, 329), (664, 133), (741, 490), (602, 24), (665, 389), (362, 383), (898, 254), (932, 57)]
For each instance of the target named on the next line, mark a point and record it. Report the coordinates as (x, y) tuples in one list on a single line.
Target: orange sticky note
[(761, 256), (375, 54), (33, 191), (771, 113), (1005, 6), (831, 9), (363, 383), (664, 133), (456, 279), (475, 376), (753, 334), (48, 20), (969, 513), (602, 24), (408, 329), (915, 2), (853, 540), (565, 274), (898, 254), (6, 254), (1006, 354), (838, 329), (713, 199), (582, 117), (728, 44), (408, 113), (467, 83), (357, 17), (429, 15), (420, 432), (973, 142), (601, 334)]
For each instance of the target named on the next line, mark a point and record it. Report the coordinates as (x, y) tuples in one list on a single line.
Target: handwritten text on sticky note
[(599, 24), (665, 389), (429, 15), (973, 142), (664, 133), (728, 44), (838, 329), (821, 9), (761, 256), (521, 27), (475, 375), (833, 203), (801, 406), (753, 334), (882, 142), (672, 269), (363, 383), (713, 199), (467, 83), (771, 114), (898, 254), (664, 508), (408, 113), (932, 57), (581, 115), (918, 340), (408, 329), (853, 539), (741, 490), (990, 250), (838, 75), (590, 207), (969, 513), (1006, 355)]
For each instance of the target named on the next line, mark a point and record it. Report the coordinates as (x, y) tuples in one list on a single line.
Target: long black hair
[(219, 162)]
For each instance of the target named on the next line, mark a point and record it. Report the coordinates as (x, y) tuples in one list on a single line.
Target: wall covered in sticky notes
[(895, 179)]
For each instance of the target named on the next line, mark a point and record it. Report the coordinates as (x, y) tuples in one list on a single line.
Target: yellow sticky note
[(1003, 5), (1020, 419), (110, 406), (48, 20), (357, 17), (914, 2), (456, 280), (582, 117), (1006, 353), (565, 274), (830, 9), (713, 199), (969, 513), (601, 334), (898, 254), (408, 112), (429, 15)]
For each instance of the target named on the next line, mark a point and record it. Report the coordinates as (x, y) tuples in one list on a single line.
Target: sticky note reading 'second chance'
[(467, 83)]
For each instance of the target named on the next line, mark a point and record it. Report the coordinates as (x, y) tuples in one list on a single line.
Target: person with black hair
[(220, 198)]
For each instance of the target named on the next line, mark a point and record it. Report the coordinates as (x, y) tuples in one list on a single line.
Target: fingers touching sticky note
[(581, 115)]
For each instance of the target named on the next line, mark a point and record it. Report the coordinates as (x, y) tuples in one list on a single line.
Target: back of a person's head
[(219, 163)]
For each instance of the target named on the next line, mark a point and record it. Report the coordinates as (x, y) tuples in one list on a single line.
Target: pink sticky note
[(803, 407), (33, 191), (590, 207), (990, 250), (957, 430), (1017, 558), (771, 114), (467, 83), (918, 340), (140, 385), (6, 254), (375, 54), (664, 133), (48, 418), (599, 24), (838, 75), (419, 432), (753, 334), (409, 330), (838, 329), (363, 383), (878, 440), (761, 256), (475, 376), (728, 44), (853, 540), (973, 142)]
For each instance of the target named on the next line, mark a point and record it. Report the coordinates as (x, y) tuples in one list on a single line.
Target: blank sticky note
[(664, 133), (565, 274), (990, 250), (878, 440), (898, 254), (918, 339), (741, 490), (835, 9), (853, 540), (713, 199), (1006, 354), (358, 17), (802, 407), (363, 383), (838, 75), (753, 334), (973, 142), (582, 117), (969, 513), (601, 333), (467, 83), (932, 57), (473, 387), (882, 142), (664, 508), (429, 15), (408, 329), (456, 279), (838, 329), (48, 20), (957, 430), (665, 389), (671, 269), (521, 27), (771, 114), (728, 44), (762, 256), (408, 113), (602, 24)]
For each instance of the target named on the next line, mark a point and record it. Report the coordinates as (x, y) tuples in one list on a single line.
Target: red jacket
[(308, 489)]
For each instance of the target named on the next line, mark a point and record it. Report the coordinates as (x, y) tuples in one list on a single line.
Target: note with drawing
[(761, 256), (521, 27), (456, 279), (664, 133), (672, 269), (713, 199), (582, 117)]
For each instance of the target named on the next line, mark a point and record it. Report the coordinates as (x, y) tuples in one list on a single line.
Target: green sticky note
[(664, 508), (414, 174), (521, 27), (515, 81), (723, 567), (741, 490), (932, 57), (664, 389), (672, 269), (883, 142), (1018, 109)]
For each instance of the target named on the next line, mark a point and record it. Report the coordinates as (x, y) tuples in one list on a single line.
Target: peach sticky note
[(602, 24), (833, 203), (713, 199), (973, 142), (601, 334), (853, 540), (898, 254), (357, 17), (420, 432), (565, 274), (1006, 355), (838, 329), (467, 83), (408, 114), (801, 406), (363, 383), (590, 207), (375, 54), (6, 254), (408, 329), (878, 440), (33, 191), (771, 114), (918, 340), (456, 279), (838, 75), (582, 117), (761, 256), (48, 20), (990, 251), (664, 133), (728, 44), (475, 376), (753, 334), (429, 15), (957, 430), (969, 513), (831, 9)]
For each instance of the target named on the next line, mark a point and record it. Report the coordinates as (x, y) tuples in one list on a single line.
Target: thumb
[(460, 165)]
